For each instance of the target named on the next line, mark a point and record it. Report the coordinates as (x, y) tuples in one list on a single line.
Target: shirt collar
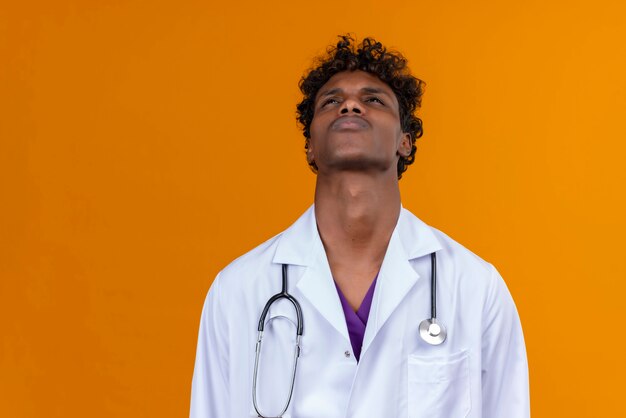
[(297, 244)]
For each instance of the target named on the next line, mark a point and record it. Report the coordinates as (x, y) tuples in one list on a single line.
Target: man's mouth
[(349, 122)]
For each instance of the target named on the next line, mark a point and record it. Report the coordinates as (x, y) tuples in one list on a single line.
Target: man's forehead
[(354, 80)]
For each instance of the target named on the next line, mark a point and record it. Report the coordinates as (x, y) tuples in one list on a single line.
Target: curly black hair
[(372, 57)]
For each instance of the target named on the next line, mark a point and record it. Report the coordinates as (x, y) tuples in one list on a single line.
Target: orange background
[(145, 144)]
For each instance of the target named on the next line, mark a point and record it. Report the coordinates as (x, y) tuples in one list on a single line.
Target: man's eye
[(374, 100), (329, 101)]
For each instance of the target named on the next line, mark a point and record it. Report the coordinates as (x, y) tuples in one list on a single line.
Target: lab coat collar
[(301, 245)]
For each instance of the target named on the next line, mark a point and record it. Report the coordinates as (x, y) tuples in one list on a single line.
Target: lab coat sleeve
[(505, 391), (209, 388)]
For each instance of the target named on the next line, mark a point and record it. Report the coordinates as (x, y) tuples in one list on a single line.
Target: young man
[(364, 274)]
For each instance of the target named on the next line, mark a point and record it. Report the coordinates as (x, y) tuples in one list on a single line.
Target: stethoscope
[(431, 331)]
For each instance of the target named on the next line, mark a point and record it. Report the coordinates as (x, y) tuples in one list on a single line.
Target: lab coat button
[(347, 354)]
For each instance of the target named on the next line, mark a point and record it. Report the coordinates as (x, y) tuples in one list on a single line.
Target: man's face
[(356, 125)]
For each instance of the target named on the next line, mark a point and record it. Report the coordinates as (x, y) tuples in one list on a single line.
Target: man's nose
[(350, 105)]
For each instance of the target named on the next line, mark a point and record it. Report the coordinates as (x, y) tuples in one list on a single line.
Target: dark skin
[(356, 140)]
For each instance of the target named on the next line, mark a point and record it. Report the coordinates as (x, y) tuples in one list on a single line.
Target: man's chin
[(360, 164)]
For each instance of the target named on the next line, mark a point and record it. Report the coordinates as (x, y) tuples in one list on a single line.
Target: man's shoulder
[(293, 240), (251, 260), (460, 253), (452, 251)]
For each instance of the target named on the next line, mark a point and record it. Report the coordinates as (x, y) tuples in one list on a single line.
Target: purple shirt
[(357, 321)]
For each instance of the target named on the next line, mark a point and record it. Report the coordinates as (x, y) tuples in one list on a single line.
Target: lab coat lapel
[(318, 287), (301, 245), (411, 239)]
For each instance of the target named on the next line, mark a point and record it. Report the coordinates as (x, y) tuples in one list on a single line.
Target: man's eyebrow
[(374, 90), (330, 92)]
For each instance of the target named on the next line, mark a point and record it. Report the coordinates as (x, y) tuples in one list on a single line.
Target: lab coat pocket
[(439, 387)]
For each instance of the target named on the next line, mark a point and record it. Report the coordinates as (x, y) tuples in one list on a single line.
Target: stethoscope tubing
[(284, 294), (433, 286)]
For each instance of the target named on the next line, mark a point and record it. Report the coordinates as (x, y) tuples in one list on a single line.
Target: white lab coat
[(479, 371)]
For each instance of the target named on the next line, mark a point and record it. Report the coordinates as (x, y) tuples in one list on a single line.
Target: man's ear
[(309, 152), (406, 145)]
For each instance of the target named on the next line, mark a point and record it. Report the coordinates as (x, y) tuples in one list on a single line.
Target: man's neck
[(356, 214), (356, 209)]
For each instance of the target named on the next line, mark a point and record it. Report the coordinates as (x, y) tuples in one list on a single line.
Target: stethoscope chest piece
[(432, 331)]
